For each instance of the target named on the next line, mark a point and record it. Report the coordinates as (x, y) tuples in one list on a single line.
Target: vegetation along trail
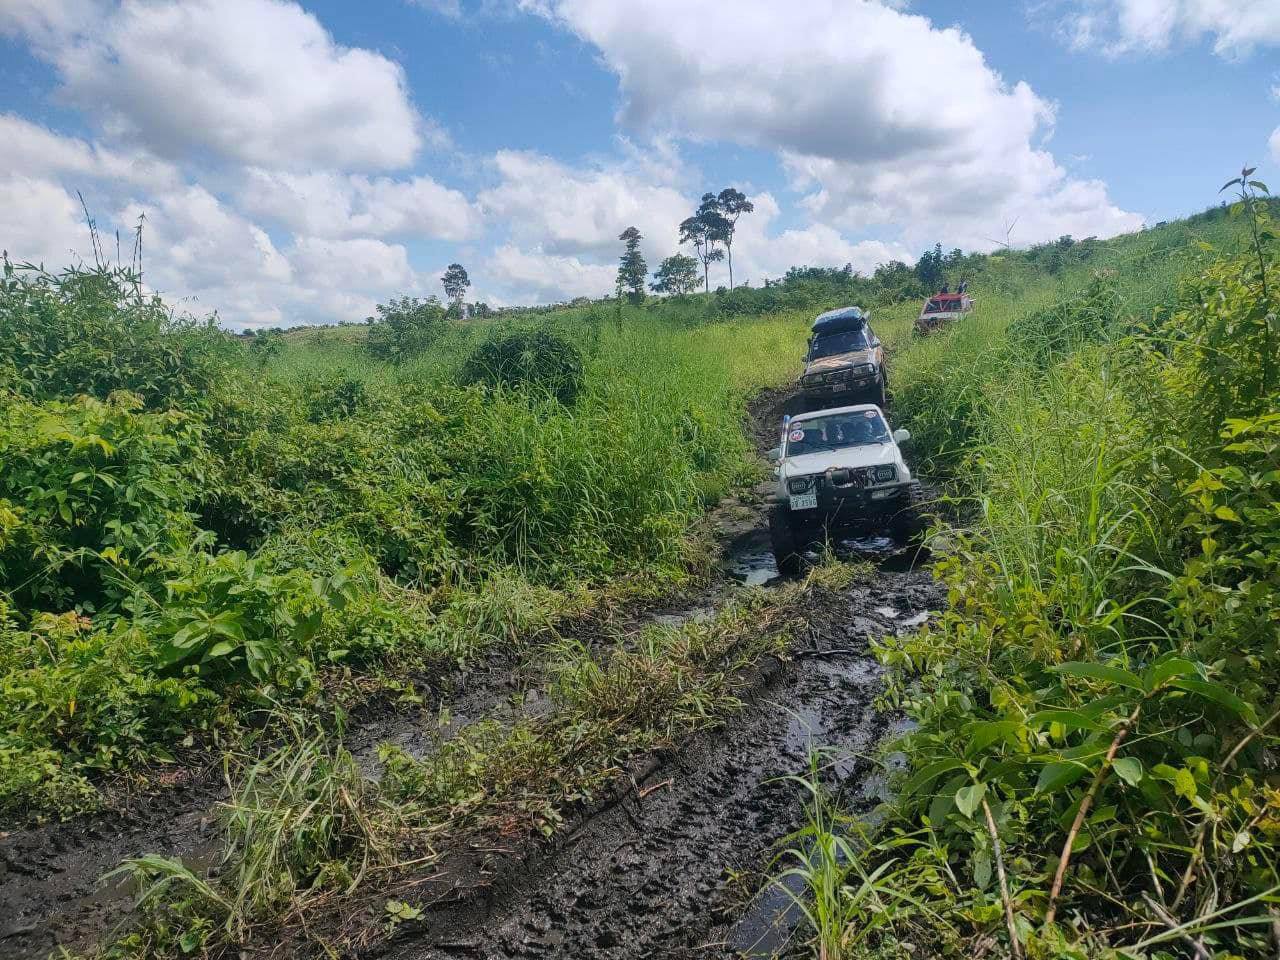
[(707, 811), (442, 637)]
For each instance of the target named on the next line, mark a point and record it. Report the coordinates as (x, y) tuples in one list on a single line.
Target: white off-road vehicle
[(840, 468)]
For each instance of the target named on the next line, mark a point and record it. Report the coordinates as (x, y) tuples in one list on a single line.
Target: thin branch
[(1081, 813), (1197, 849), (1196, 946), (1014, 944)]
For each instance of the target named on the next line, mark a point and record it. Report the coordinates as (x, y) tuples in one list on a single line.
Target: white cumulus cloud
[(535, 275), (1116, 27), (43, 224), (337, 205), (580, 210), (881, 117), (257, 81)]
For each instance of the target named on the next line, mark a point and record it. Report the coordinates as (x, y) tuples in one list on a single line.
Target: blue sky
[(297, 164)]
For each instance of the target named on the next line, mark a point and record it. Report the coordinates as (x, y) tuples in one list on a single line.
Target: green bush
[(405, 328), (91, 492), (92, 331), (1051, 333), (537, 360), (1100, 692)]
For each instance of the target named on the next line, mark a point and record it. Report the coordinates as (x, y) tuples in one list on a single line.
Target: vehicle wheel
[(908, 524), (782, 538)]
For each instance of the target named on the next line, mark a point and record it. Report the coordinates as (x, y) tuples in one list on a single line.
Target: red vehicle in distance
[(941, 309)]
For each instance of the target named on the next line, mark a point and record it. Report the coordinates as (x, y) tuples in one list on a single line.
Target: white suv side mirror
[(775, 454), (901, 435)]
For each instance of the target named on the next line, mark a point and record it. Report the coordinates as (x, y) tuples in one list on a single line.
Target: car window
[(838, 343), (818, 434)]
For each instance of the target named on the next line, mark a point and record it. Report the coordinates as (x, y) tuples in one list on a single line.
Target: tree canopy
[(632, 268), (677, 274)]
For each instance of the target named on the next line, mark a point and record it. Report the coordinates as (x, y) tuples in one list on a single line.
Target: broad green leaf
[(983, 734), (981, 869), (1184, 784), (1226, 513), (1128, 769), (1074, 719), (1165, 670), (1058, 775), (1218, 694), (1098, 671), (969, 798), (927, 774)]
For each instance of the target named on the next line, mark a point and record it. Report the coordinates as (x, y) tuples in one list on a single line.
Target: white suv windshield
[(855, 429)]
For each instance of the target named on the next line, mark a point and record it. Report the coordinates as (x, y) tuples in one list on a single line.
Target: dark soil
[(667, 868), (670, 869)]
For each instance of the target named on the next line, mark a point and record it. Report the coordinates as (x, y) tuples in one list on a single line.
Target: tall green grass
[(1093, 713)]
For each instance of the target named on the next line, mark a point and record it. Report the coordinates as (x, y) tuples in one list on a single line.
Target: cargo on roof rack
[(838, 321)]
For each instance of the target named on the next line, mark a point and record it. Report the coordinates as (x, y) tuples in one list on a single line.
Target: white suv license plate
[(804, 501)]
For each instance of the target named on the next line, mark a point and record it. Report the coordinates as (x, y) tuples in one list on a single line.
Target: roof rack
[(838, 321)]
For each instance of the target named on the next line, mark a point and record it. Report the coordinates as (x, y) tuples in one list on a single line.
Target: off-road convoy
[(839, 465)]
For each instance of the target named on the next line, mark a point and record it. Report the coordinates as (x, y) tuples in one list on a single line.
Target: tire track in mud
[(674, 867), (52, 892), (659, 873), (51, 889)]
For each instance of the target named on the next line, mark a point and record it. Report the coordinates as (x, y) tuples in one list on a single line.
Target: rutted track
[(649, 874), (656, 873)]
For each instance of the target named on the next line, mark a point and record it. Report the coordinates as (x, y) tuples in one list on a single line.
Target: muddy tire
[(881, 394), (909, 523), (782, 538)]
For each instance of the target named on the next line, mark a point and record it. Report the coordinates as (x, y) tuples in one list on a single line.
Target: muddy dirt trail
[(668, 870), (671, 868)]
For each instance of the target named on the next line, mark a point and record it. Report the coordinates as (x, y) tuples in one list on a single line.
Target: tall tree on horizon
[(706, 228), (632, 269), (455, 282), (733, 203)]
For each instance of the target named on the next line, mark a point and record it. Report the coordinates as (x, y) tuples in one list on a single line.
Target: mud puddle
[(51, 876), (671, 869)]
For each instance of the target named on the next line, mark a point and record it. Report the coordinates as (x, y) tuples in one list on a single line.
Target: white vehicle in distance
[(840, 468)]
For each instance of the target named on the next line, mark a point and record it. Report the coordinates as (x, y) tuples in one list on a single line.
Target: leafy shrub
[(528, 359), (265, 347), (93, 331), (335, 397), (1094, 710), (90, 493), (405, 328)]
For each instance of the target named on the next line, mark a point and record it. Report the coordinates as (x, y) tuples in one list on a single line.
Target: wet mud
[(671, 866)]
